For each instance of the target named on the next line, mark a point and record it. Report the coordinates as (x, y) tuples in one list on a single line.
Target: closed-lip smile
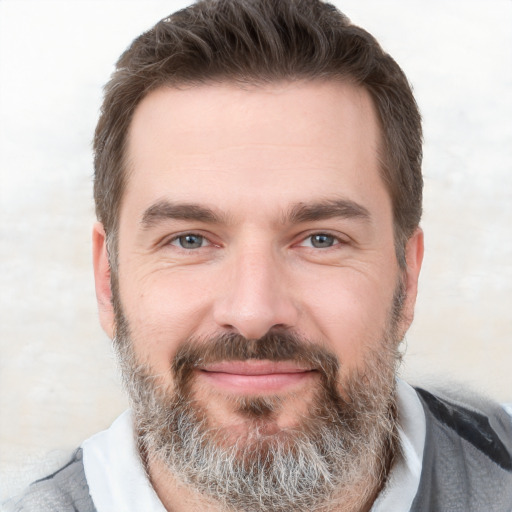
[(255, 376)]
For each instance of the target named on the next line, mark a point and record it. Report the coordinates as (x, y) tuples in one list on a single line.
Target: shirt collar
[(404, 479), (114, 471)]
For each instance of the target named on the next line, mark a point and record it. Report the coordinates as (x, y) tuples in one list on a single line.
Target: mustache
[(273, 346)]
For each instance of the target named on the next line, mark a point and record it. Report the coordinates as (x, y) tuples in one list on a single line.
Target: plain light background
[(58, 382)]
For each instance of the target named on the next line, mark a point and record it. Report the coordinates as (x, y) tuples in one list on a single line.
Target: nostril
[(254, 298)]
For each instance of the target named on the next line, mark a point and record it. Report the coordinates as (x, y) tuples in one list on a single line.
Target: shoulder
[(467, 463), (64, 490), (483, 424)]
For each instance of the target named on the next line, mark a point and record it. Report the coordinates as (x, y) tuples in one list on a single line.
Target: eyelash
[(335, 240), (177, 241)]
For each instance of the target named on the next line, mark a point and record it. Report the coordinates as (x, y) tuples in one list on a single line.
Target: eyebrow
[(300, 212), (164, 210), (328, 209)]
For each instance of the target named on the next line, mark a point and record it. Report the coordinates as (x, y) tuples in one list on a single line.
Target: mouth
[(255, 376)]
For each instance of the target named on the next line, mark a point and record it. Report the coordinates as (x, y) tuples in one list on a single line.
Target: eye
[(320, 241), (189, 241)]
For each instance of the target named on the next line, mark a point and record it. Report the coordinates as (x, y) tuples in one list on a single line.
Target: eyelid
[(338, 237), (176, 241), (168, 240)]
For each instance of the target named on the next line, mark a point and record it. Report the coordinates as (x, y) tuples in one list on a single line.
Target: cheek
[(351, 313), (163, 309)]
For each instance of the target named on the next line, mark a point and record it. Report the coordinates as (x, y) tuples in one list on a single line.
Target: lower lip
[(254, 384)]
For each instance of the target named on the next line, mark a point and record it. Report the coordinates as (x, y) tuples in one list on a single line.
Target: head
[(259, 192)]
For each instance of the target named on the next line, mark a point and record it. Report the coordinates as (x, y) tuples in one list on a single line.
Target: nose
[(255, 296)]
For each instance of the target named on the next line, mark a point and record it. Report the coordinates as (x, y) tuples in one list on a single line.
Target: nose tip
[(251, 323), (256, 299)]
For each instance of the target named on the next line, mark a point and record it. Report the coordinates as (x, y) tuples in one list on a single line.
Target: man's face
[(254, 212)]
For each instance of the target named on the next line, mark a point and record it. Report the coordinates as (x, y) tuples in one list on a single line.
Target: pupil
[(191, 241), (322, 240)]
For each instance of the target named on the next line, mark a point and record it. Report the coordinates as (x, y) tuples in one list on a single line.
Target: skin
[(251, 157)]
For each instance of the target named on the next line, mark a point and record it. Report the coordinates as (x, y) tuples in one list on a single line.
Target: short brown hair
[(257, 42)]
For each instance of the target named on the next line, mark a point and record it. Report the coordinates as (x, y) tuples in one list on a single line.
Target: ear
[(102, 279), (414, 258)]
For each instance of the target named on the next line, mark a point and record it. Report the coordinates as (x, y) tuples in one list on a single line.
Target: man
[(258, 190)]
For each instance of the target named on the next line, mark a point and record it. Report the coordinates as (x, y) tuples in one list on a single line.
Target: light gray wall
[(58, 382)]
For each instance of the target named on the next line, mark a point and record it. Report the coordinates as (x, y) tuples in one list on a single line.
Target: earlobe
[(102, 279)]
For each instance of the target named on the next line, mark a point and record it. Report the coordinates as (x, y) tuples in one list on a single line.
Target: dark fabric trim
[(471, 426), (76, 457)]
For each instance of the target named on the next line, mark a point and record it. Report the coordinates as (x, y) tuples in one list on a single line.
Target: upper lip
[(255, 367)]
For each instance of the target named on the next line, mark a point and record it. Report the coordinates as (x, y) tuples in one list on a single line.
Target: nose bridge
[(256, 297)]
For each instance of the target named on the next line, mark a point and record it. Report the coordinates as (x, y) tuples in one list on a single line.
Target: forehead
[(292, 138)]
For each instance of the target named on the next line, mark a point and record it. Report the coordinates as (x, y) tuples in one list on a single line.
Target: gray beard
[(339, 454), (337, 457)]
